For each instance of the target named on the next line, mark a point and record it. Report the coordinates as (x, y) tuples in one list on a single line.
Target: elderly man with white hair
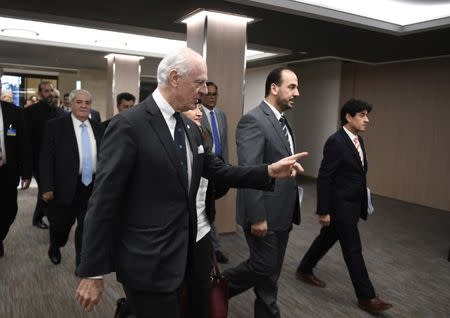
[(141, 220)]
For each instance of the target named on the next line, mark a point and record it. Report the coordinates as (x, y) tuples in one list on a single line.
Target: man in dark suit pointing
[(263, 135), (341, 202), (141, 219)]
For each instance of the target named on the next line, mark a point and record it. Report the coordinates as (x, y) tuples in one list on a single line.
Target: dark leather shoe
[(310, 279), (2, 249), (373, 305), (55, 255), (40, 224), (221, 258)]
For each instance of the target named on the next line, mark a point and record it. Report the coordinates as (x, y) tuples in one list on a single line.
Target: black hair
[(125, 96), (352, 107), (274, 77)]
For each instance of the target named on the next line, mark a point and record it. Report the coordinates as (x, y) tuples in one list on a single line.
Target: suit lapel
[(276, 125), (72, 136), (161, 130), (189, 128), (96, 128), (205, 121), (352, 147)]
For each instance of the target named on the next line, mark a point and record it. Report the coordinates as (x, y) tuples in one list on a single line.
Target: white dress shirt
[(278, 116), (352, 137), (76, 126), (203, 226)]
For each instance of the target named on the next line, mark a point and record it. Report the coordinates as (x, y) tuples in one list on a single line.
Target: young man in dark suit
[(262, 136), (67, 169), (142, 220), (341, 202), (36, 117), (15, 163)]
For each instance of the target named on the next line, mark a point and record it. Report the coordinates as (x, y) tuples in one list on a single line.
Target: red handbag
[(218, 293), (217, 297)]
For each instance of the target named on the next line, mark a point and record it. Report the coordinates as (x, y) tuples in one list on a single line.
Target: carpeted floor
[(405, 248)]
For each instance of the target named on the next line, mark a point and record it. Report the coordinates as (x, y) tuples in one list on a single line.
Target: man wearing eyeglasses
[(215, 121)]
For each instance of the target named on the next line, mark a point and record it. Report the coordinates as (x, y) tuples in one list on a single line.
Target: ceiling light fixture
[(202, 14), (19, 32), (98, 40)]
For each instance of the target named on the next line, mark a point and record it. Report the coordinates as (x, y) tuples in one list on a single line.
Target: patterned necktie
[(180, 142), (284, 128), (86, 160), (215, 131), (358, 148)]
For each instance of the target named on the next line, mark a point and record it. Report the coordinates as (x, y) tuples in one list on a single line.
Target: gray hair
[(178, 60), (75, 92)]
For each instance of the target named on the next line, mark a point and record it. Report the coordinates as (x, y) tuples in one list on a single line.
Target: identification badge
[(11, 132)]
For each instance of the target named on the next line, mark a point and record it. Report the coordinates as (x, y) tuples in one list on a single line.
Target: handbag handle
[(216, 269)]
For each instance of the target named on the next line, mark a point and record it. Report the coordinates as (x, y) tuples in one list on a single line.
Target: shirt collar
[(274, 110), (78, 122), (349, 133), (162, 104), (207, 110)]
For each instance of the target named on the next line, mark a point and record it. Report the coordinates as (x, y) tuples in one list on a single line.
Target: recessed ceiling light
[(19, 33)]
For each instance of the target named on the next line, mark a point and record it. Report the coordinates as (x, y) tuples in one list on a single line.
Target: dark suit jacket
[(141, 216), (59, 160), (95, 116), (341, 184), (17, 148), (37, 116), (215, 190), (223, 129), (260, 139)]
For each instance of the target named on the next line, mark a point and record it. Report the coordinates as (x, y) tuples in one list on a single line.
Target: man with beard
[(37, 116), (263, 135)]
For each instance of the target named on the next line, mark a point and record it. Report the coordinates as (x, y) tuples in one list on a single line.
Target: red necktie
[(358, 147)]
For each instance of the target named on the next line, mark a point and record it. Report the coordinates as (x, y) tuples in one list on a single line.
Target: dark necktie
[(180, 143), (284, 128)]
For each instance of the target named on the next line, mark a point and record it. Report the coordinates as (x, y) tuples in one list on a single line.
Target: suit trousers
[(41, 207), (347, 234), (215, 237), (8, 202), (62, 217), (198, 276), (147, 304), (261, 271)]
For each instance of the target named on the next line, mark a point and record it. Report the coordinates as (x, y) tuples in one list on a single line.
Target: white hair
[(179, 60), (75, 92)]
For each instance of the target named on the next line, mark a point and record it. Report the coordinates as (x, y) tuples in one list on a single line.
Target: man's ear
[(174, 78), (274, 89), (348, 117)]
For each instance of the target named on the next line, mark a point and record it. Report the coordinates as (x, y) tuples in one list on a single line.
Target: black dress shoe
[(55, 255), (40, 224), (2, 250), (221, 258)]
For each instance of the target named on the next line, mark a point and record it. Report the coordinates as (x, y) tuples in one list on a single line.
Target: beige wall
[(408, 138), (92, 80)]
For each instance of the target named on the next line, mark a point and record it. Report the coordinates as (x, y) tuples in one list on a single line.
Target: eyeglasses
[(211, 94)]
